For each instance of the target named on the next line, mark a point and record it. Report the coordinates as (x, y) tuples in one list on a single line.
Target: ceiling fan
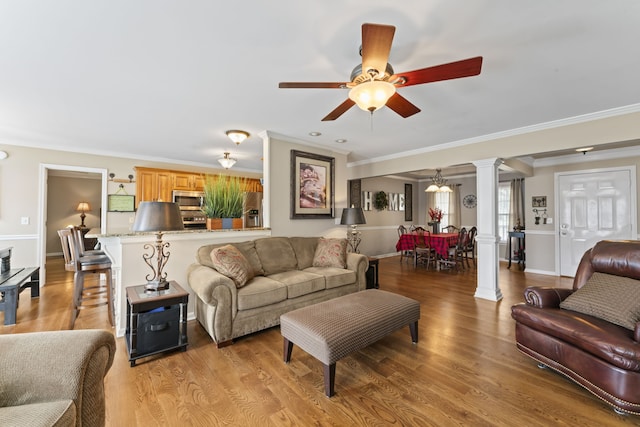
[(373, 83)]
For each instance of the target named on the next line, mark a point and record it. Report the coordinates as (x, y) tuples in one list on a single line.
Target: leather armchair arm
[(543, 297), (636, 334)]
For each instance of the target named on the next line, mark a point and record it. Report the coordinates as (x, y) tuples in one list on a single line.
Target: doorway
[(593, 205), (45, 171)]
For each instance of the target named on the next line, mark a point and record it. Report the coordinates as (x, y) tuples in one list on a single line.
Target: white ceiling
[(164, 79)]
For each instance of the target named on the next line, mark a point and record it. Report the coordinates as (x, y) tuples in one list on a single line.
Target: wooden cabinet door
[(164, 187), (198, 182), (146, 186), (183, 181)]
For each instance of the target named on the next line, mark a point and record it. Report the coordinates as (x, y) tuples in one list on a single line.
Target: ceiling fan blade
[(340, 110), (402, 106), (312, 85), (376, 45), (453, 70)]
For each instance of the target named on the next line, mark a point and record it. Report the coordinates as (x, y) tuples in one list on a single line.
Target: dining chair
[(456, 253), (423, 252), (469, 250), (450, 229), (79, 236), (408, 254), (86, 294)]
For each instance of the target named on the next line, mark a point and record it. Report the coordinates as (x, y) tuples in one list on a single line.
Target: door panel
[(592, 206)]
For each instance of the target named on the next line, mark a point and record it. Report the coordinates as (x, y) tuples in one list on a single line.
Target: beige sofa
[(54, 378), (285, 279)]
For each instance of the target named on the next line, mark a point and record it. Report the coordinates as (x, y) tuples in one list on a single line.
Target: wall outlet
[(24, 220), (549, 220)]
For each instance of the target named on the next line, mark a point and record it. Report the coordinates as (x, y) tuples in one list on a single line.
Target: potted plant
[(222, 201)]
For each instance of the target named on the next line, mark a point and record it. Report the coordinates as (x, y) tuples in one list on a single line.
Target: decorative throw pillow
[(228, 260), (612, 298), (331, 253)]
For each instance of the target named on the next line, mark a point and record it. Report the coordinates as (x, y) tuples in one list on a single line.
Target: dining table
[(439, 242)]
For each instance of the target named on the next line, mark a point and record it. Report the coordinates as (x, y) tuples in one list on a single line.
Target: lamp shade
[(83, 207), (158, 216), (372, 95), (352, 216)]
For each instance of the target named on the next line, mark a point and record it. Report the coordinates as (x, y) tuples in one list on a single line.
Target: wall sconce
[(237, 136), (157, 217), (83, 207), (540, 213)]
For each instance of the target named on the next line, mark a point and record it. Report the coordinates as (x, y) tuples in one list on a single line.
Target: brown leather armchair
[(599, 355)]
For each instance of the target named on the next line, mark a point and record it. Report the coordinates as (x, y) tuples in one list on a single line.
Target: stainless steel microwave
[(188, 200)]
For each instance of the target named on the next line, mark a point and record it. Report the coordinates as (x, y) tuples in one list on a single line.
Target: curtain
[(516, 206), (431, 203), (455, 206)]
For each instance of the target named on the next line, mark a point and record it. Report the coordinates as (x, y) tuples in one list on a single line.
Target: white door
[(592, 206)]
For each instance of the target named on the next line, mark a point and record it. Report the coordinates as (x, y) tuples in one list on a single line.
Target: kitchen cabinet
[(188, 181), (153, 185)]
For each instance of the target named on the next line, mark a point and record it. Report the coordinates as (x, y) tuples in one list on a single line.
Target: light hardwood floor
[(465, 370)]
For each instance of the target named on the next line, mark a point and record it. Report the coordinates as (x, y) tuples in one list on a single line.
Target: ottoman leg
[(413, 327), (329, 378), (287, 347)]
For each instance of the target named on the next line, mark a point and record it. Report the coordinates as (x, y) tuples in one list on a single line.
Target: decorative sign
[(395, 201), (121, 203)]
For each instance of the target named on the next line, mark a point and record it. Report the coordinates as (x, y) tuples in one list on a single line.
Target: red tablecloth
[(440, 242)]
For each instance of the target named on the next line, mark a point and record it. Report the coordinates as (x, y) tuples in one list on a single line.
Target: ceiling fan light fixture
[(372, 95), (227, 161), (237, 136)]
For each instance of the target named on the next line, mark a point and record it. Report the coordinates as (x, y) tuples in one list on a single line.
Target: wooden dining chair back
[(402, 230), (456, 253), (404, 254), (423, 252), (469, 250), (86, 293), (450, 229)]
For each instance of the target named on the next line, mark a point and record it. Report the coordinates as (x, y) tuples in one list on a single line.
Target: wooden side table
[(156, 320), (372, 274), (519, 235)]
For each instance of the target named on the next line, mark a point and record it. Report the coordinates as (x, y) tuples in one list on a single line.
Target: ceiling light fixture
[(372, 95), (341, 141), (227, 161), (439, 184), (237, 136), (584, 150), (315, 133)]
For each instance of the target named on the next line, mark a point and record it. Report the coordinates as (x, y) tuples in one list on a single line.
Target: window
[(442, 201), (504, 201)]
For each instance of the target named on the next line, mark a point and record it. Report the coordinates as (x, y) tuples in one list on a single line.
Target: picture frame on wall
[(312, 185), (539, 201), (408, 202)]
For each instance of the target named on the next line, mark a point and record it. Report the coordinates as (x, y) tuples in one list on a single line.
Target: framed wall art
[(121, 203), (312, 185), (539, 201), (408, 202)]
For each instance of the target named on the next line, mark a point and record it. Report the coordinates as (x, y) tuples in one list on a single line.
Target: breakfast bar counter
[(125, 248)]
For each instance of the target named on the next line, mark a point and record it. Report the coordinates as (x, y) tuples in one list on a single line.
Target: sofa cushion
[(305, 249), (54, 413), (334, 277), (276, 255), (248, 249), (228, 260), (331, 253), (612, 298), (259, 292), (299, 283)]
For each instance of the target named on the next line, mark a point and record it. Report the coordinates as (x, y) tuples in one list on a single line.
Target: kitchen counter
[(125, 248)]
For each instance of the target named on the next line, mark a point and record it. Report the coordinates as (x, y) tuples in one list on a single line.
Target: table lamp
[(157, 217), (83, 207), (353, 216)]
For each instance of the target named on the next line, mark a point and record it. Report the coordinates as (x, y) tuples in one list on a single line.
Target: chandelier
[(439, 184), (227, 161)]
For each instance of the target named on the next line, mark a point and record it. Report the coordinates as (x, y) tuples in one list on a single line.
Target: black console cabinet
[(156, 321)]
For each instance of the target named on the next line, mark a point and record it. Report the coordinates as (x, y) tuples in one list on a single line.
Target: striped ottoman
[(332, 329)]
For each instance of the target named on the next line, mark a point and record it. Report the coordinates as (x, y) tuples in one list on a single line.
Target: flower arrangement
[(435, 214)]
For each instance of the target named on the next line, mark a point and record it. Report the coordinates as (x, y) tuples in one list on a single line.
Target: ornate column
[(487, 238)]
